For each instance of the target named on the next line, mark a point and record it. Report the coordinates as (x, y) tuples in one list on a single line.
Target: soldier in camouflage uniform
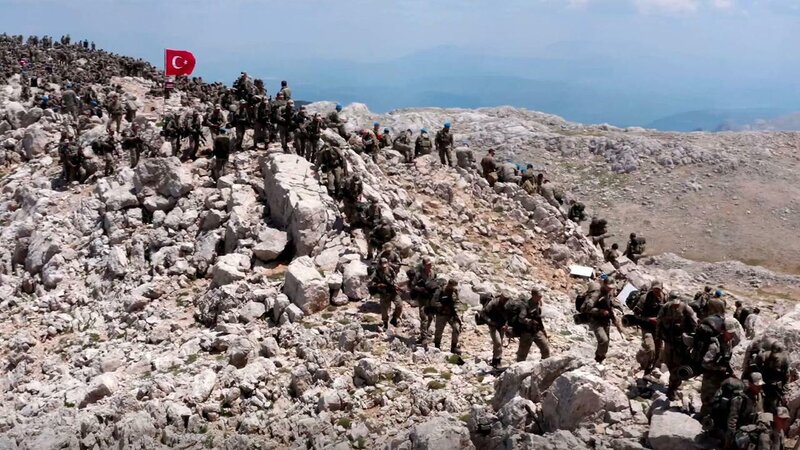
[(444, 144), (384, 284), (330, 161), (106, 148), (494, 314), (716, 362), (675, 319), (526, 322), (422, 286), (404, 145), (423, 145), (445, 303), (381, 234)]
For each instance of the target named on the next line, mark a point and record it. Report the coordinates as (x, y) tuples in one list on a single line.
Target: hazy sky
[(728, 41)]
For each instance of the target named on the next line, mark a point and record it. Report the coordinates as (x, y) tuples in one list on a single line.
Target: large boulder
[(355, 280), (440, 433), (305, 286), (297, 202), (271, 243), (580, 396), (529, 379), (34, 142), (230, 268), (671, 430), (166, 176), (43, 246), (787, 330)]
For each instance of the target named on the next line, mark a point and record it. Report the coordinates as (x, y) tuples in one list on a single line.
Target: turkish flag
[(178, 62)]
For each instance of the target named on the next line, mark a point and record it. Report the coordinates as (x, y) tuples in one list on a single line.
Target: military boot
[(455, 350), (496, 362)]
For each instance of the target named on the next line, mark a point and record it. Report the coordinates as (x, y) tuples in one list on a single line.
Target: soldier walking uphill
[(646, 308), (215, 121), (598, 307), (173, 132), (675, 319), (444, 144), (194, 129), (222, 152), (261, 124), (380, 234), (115, 111), (133, 143), (714, 342), (736, 404), (286, 125), (239, 117), (71, 158), (337, 122), (493, 314), (404, 145), (331, 162), (445, 303), (635, 249), (489, 167), (598, 231), (774, 366), (421, 286), (106, 148), (299, 122), (423, 145), (525, 320), (313, 131), (383, 284)]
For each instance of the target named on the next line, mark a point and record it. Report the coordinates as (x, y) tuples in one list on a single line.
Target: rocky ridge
[(156, 308)]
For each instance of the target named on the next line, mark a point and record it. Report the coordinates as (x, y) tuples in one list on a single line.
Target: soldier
[(337, 122), (494, 314), (385, 139), (331, 162), (775, 368), (383, 283), (71, 158), (299, 122), (674, 320), (133, 143), (130, 109), (173, 131), (421, 286), (403, 145), (533, 186), (370, 143), (611, 255), (741, 312), (390, 254), (489, 167), (599, 308), (598, 232), (646, 311), (554, 195), (351, 193), (526, 322), (444, 144), (700, 304), (423, 144), (380, 235), (716, 363), (313, 133), (194, 129), (106, 148), (261, 116), (115, 111), (635, 249), (286, 125), (576, 212), (286, 91), (71, 102), (239, 117), (736, 404), (222, 152), (445, 303), (750, 323), (215, 121), (755, 355)]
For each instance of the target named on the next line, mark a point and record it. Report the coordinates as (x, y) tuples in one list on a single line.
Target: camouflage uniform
[(423, 145), (775, 369), (383, 283), (378, 236), (647, 311), (530, 329), (716, 368), (330, 161), (675, 319), (445, 302), (494, 313), (444, 144), (422, 286), (403, 145)]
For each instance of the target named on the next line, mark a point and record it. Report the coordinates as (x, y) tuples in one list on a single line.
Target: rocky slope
[(704, 196), (156, 308)]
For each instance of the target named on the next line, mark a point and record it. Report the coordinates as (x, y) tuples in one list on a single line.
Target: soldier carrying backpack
[(635, 249)]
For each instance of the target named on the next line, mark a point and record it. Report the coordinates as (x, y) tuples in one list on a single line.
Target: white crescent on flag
[(175, 60)]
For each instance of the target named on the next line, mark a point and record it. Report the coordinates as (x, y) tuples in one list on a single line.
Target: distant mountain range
[(728, 120), (579, 85)]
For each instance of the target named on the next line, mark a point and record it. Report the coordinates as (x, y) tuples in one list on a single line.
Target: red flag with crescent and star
[(178, 62)]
